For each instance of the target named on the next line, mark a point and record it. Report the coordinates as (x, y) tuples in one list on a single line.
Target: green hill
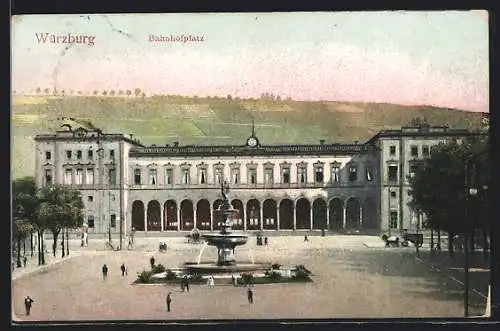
[(164, 119)]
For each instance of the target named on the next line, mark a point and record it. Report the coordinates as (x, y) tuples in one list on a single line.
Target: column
[(179, 218), (162, 217), (327, 217), (211, 217), (344, 218), (244, 219), (194, 218), (277, 218), (261, 217), (145, 218), (294, 219), (311, 217)]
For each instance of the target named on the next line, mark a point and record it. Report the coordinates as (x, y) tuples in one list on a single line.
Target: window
[(137, 176), (318, 175), (393, 173), (394, 220), (425, 151), (268, 175), (369, 173), (414, 151), (152, 177), (90, 154), (78, 155), (353, 173), (392, 150), (90, 198), (302, 175), (218, 176), (79, 176), (335, 173), (285, 175), (202, 179), (413, 168), (112, 176), (235, 175), (393, 194), (112, 154), (68, 174), (113, 220), (68, 155), (169, 176), (184, 176), (90, 221), (48, 155), (89, 176), (48, 177), (252, 176)]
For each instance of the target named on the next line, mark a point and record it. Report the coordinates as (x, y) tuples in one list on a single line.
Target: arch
[(203, 215), (336, 212), (270, 221), (319, 214), (253, 214), (216, 215), (239, 217), (154, 216), (187, 215), (370, 215), (303, 210), (352, 214), (138, 215), (286, 214), (170, 215)]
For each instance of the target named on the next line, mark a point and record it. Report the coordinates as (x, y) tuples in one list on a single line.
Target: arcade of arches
[(334, 215)]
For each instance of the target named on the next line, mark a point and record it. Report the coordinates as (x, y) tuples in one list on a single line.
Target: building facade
[(176, 188)]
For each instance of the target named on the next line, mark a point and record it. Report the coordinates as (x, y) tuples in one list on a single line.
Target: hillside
[(162, 119)]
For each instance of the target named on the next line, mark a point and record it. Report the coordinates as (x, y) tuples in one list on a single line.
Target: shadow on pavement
[(393, 263)]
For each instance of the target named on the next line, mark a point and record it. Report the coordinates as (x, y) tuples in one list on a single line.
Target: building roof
[(72, 136), (262, 150), (431, 131)]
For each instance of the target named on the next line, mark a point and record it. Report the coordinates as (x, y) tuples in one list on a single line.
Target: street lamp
[(470, 191), (110, 196)]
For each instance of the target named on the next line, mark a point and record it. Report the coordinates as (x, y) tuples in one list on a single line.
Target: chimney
[(176, 144), (322, 141)]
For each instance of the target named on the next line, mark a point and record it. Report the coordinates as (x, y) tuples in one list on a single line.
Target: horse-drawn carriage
[(417, 239)]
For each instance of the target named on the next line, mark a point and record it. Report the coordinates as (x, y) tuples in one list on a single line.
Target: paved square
[(350, 280)]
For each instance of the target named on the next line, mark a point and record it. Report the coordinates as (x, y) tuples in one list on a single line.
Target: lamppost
[(110, 196), (470, 191)]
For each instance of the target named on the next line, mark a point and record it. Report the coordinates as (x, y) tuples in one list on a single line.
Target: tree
[(420, 122), (229, 97), (46, 90), (120, 92), (129, 93), (112, 93), (60, 207), (104, 93), (438, 185), (38, 90), (24, 207), (137, 92), (96, 92)]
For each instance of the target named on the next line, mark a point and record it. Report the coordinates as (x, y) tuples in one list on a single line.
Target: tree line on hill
[(54, 208), (451, 187)]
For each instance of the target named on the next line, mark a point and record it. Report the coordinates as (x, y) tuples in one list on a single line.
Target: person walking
[(265, 241), (27, 304), (211, 282), (104, 272), (186, 283), (25, 260), (250, 295), (169, 300), (305, 238), (152, 262), (123, 269)]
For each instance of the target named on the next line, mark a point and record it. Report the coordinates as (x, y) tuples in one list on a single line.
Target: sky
[(409, 58)]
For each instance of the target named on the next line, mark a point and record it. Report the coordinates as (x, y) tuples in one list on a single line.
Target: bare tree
[(129, 93), (112, 93), (137, 92)]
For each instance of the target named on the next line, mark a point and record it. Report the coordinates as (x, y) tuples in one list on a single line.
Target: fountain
[(225, 241)]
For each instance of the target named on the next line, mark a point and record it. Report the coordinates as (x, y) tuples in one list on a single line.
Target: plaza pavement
[(350, 280)]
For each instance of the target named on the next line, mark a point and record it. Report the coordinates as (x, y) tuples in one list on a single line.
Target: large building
[(337, 187)]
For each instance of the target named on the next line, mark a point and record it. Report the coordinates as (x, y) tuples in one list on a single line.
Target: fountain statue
[(225, 241)]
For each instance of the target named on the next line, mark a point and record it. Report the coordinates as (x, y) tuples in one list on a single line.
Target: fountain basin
[(225, 240), (213, 268)]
